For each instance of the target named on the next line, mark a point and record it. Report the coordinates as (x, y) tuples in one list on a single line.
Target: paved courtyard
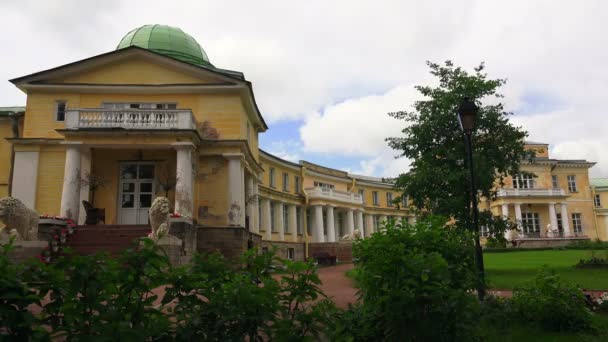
[(337, 286)]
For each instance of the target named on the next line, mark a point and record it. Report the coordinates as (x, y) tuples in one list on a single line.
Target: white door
[(136, 192)]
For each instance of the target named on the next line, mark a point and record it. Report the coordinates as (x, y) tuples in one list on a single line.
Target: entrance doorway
[(136, 192)]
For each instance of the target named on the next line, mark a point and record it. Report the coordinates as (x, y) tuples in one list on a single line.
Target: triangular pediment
[(131, 66)]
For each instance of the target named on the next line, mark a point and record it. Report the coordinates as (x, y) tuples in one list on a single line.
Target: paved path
[(337, 286)]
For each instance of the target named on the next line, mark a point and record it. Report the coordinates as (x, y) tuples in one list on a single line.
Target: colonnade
[(563, 209)]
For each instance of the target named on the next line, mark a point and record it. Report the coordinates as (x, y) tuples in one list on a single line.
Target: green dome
[(167, 40)]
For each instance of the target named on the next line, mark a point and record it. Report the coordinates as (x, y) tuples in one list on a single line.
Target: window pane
[(128, 187), (145, 201), (145, 187), (127, 201), (128, 171), (146, 171)]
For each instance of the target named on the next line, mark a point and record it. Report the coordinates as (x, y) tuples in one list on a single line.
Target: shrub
[(593, 262), (411, 278), (552, 304)]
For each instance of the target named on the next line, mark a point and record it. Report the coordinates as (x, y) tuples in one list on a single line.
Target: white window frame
[(285, 182), (404, 200), (65, 110), (296, 184), (362, 194), (530, 222), (375, 199), (523, 181), (484, 231), (572, 183), (290, 253), (554, 182), (389, 199), (324, 185), (597, 201), (577, 222)]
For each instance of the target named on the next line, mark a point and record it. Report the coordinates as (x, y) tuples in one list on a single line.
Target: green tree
[(438, 181)]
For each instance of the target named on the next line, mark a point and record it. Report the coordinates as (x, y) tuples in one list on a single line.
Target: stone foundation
[(185, 231), (24, 250), (546, 243), (343, 250), (232, 242), (299, 249)]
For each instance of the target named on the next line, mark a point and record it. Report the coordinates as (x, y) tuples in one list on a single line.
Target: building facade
[(156, 118)]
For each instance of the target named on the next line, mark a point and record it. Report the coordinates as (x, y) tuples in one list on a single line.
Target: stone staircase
[(112, 239)]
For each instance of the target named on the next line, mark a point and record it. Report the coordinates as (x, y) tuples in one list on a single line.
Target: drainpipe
[(15, 128)]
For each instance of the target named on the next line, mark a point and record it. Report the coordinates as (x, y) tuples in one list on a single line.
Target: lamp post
[(467, 113)]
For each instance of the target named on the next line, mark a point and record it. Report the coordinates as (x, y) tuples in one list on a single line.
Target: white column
[(255, 202), (381, 222), (350, 222), (565, 220), (331, 229), (369, 225), (359, 223), (293, 222), (70, 194), (279, 219), (265, 222), (183, 187), (505, 214), (85, 175), (236, 193), (317, 227), (413, 219), (25, 178), (250, 203), (553, 216), (518, 215)]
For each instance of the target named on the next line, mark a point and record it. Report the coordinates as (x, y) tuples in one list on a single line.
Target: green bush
[(102, 298), (414, 284), (552, 304)]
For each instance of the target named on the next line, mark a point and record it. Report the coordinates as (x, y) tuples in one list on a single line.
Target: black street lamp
[(467, 113)]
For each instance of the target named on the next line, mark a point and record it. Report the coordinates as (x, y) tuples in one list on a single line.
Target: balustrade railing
[(530, 192), (130, 118), (326, 193)]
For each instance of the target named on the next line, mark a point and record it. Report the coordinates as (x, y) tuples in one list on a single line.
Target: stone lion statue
[(20, 221), (349, 237), (159, 217)]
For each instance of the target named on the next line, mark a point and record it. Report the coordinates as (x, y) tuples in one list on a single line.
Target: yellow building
[(600, 203), (154, 113), (551, 199), (156, 118)]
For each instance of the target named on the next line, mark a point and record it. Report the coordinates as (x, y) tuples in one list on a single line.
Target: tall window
[(389, 199), (375, 200), (404, 200), (60, 107), (260, 216), (296, 184), (271, 175), (248, 133), (272, 217), (554, 182), (324, 185), (560, 224), (362, 194), (291, 253), (530, 222), (298, 220), (572, 183), (376, 222), (285, 182), (285, 217), (484, 231), (523, 182), (308, 221), (597, 201), (577, 222)]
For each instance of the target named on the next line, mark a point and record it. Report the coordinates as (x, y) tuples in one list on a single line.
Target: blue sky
[(325, 73)]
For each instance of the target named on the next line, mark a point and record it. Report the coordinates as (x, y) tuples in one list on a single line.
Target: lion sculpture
[(159, 218), (349, 237), (21, 222)]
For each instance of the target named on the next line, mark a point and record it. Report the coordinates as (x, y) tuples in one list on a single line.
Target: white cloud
[(327, 57)]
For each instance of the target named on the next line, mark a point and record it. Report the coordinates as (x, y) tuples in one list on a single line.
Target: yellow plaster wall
[(267, 164), (134, 71), (212, 183), (40, 114), (5, 156), (51, 165), (105, 163)]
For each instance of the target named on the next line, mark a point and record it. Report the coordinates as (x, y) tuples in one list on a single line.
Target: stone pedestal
[(24, 250)]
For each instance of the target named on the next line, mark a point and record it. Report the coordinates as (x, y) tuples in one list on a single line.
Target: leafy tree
[(438, 181)]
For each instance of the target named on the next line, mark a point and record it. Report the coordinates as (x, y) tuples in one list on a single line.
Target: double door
[(136, 192)]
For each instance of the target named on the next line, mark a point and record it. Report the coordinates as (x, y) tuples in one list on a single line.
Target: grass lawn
[(510, 269)]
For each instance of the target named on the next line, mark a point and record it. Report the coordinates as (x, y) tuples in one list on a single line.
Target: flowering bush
[(601, 303)]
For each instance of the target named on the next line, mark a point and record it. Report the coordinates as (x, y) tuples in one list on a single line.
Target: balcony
[(131, 119), (531, 193), (334, 195)]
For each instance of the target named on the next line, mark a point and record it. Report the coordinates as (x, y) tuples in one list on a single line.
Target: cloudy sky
[(325, 73)]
